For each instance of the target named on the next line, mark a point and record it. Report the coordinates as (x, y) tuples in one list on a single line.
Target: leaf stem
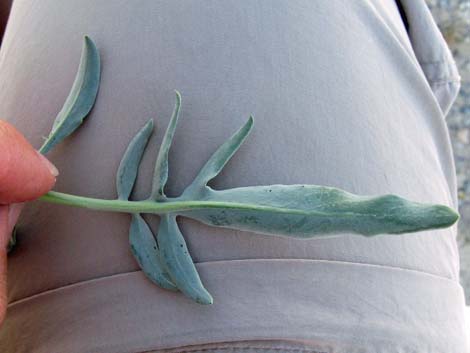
[(116, 205), (156, 207), (169, 205)]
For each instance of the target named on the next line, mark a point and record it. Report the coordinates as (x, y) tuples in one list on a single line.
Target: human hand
[(25, 175)]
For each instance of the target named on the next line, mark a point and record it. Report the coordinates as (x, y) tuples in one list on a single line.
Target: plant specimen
[(300, 211)]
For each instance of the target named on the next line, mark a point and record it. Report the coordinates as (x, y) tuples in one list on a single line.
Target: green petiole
[(145, 206)]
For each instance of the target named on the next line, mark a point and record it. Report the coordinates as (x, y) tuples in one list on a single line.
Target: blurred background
[(453, 19)]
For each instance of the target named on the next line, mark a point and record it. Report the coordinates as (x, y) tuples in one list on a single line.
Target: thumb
[(24, 173), (4, 235)]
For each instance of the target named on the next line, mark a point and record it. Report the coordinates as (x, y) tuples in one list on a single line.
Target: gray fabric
[(341, 96)]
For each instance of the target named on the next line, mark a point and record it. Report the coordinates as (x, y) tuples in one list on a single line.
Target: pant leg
[(340, 99)]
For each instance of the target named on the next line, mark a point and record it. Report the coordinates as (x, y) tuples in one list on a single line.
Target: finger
[(4, 237), (13, 214), (3, 284), (4, 226), (24, 173)]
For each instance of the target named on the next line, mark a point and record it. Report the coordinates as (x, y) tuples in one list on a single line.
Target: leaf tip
[(87, 40), (89, 45), (149, 124), (205, 299), (178, 97)]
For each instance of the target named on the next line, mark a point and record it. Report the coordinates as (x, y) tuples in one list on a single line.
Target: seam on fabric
[(121, 274), (443, 82), (451, 76), (235, 348), (437, 62)]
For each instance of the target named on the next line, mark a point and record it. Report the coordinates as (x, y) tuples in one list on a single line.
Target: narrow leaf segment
[(143, 244), (80, 99), (172, 246), (161, 165)]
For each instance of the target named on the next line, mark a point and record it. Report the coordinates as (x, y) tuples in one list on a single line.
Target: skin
[(25, 175)]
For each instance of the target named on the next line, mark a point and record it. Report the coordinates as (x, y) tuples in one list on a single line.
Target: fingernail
[(52, 168)]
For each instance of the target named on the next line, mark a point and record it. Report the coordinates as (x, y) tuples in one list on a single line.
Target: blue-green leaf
[(161, 165), (218, 160), (306, 211), (141, 239), (172, 246), (127, 171), (178, 261), (80, 99), (145, 250)]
